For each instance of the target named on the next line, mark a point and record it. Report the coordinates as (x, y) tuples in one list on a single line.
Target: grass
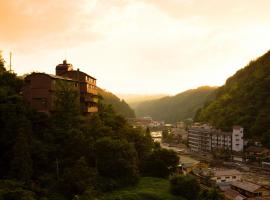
[(147, 189)]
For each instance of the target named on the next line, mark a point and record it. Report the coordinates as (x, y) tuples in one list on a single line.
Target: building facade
[(237, 138), (205, 138), (226, 176), (40, 88)]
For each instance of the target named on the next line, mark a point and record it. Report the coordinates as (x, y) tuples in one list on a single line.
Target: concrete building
[(205, 138), (237, 138), (40, 88)]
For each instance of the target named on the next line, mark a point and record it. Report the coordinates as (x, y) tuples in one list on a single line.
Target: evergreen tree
[(21, 163)]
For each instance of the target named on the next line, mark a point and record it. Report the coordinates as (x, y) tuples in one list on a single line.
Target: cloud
[(44, 23)]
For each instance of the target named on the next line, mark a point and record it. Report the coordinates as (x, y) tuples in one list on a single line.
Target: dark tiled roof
[(247, 186)]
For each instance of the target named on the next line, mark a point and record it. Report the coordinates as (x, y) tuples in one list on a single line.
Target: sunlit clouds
[(137, 46)]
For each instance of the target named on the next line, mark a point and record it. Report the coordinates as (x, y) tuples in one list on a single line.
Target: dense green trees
[(212, 194), (120, 106), (185, 186), (178, 107), (160, 163), (243, 100), (65, 154)]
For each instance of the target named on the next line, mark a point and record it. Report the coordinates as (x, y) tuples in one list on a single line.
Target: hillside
[(134, 100), (120, 106), (179, 107), (243, 100)]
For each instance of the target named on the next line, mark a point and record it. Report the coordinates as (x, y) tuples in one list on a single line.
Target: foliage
[(243, 100), (211, 194), (185, 186), (147, 189), (2, 63), (117, 159), (176, 108), (160, 163), (14, 190), (65, 154), (120, 106)]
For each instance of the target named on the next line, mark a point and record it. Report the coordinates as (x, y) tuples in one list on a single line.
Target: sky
[(137, 46)]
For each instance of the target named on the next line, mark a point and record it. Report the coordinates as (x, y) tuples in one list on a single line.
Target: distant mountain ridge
[(120, 106), (135, 99), (243, 100), (175, 108)]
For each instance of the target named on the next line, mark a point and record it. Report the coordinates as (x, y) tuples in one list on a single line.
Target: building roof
[(256, 149), (76, 71), (247, 186), (218, 132), (232, 194), (60, 77), (237, 127), (51, 76), (229, 172)]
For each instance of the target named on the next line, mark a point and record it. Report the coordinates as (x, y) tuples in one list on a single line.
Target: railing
[(92, 91), (89, 98), (91, 109)]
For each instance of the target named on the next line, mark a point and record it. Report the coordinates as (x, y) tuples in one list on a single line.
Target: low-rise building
[(249, 189), (257, 153), (230, 194), (228, 176)]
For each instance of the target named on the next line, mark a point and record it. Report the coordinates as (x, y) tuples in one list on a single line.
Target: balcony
[(92, 91), (89, 98), (91, 109)]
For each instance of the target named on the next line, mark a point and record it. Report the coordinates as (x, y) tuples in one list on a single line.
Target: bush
[(160, 163), (185, 186)]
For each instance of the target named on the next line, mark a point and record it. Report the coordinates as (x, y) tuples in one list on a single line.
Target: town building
[(226, 176), (230, 194), (39, 90), (249, 189), (254, 153), (205, 138)]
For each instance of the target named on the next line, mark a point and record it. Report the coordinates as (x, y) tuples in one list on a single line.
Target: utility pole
[(10, 59), (57, 168)]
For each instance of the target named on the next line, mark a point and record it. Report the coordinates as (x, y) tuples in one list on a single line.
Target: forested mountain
[(243, 100), (134, 100), (120, 106), (179, 107)]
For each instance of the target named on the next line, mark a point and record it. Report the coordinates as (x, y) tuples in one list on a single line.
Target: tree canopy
[(244, 100)]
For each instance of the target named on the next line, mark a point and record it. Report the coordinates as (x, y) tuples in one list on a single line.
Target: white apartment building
[(237, 138), (206, 138)]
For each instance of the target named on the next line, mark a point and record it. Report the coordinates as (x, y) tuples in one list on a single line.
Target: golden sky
[(137, 46)]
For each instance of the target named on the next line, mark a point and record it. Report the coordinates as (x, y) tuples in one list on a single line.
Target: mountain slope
[(243, 100), (134, 100), (178, 107), (120, 106)]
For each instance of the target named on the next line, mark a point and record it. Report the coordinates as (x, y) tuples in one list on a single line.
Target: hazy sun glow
[(137, 46)]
